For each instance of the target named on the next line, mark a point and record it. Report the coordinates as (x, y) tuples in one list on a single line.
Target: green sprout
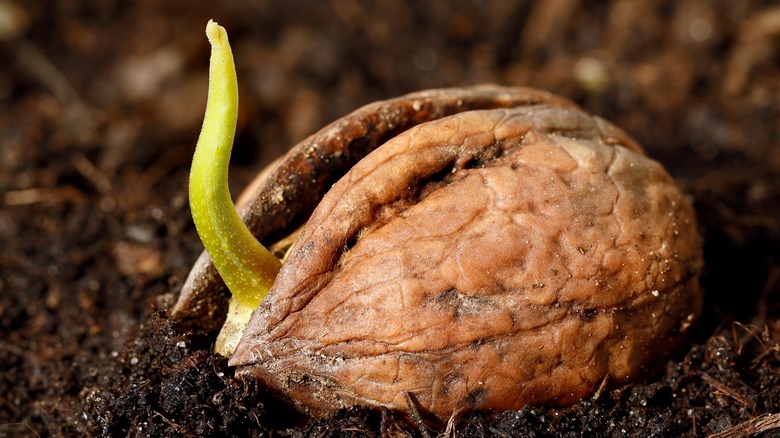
[(245, 265)]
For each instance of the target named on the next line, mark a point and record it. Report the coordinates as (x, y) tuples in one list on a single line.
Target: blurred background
[(101, 103)]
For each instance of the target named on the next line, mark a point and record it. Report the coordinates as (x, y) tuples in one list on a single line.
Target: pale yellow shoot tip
[(215, 33)]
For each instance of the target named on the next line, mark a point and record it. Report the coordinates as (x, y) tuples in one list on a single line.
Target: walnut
[(485, 260), (481, 248)]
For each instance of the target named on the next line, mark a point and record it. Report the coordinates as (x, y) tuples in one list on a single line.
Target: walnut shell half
[(485, 260)]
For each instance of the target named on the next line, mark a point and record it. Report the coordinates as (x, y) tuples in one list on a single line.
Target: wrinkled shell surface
[(486, 260)]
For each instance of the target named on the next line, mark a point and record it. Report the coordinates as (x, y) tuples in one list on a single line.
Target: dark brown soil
[(101, 103)]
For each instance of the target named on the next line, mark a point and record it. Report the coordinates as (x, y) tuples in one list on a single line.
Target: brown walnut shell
[(486, 260), (483, 259)]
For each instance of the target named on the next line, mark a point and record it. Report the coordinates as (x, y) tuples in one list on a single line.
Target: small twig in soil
[(720, 386), (415, 413), (91, 173), (765, 340), (749, 333), (450, 430), (772, 349), (601, 387), (34, 196), (761, 423), (181, 429)]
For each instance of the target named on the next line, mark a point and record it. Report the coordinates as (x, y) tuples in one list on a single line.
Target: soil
[(100, 106)]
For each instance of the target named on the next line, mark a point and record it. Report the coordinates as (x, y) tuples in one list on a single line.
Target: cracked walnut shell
[(489, 259)]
